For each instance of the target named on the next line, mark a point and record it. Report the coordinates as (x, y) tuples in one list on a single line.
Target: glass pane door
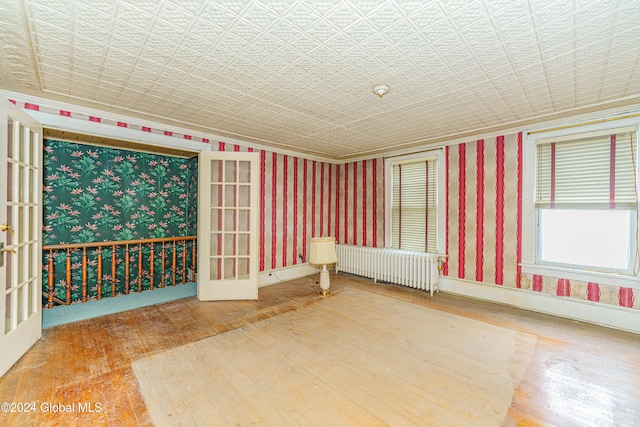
[(227, 225), (20, 219)]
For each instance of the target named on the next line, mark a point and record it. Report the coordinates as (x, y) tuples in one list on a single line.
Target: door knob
[(6, 227)]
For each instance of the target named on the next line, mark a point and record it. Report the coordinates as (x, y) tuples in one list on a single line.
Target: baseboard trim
[(622, 318), (270, 277)]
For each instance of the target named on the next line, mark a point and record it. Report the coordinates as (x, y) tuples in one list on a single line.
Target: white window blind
[(592, 171), (414, 205)]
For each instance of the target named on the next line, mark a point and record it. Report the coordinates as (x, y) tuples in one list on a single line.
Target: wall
[(483, 210), (192, 199), (484, 220), (296, 199), (301, 198), (100, 194), (359, 203)]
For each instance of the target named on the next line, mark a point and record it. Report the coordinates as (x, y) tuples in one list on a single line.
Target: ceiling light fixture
[(381, 90)]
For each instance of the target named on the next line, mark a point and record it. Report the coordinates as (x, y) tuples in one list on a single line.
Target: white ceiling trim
[(133, 133)]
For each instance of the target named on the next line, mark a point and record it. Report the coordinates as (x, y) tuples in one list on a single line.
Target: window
[(414, 204), (586, 200)]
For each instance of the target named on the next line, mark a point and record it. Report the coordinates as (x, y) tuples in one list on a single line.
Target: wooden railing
[(172, 261)]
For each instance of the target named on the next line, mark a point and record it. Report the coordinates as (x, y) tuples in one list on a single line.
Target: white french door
[(20, 231), (227, 225)]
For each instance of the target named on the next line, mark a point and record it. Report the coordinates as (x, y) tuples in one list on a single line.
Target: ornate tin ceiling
[(298, 74)]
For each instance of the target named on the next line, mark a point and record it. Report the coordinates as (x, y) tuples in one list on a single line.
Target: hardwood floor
[(579, 375)]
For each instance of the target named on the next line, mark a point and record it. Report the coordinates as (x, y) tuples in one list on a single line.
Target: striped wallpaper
[(484, 222), (295, 201), (302, 198), (359, 209), (483, 210)]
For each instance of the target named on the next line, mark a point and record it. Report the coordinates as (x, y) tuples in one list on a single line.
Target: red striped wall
[(359, 210), (482, 209), (484, 223), (302, 198), (296, 202)]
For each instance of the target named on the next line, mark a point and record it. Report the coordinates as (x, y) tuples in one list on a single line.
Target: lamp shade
[(323, 250)]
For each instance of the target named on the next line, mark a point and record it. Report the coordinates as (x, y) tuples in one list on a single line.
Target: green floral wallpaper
[(192, 199), (94, 194), (98, 193)]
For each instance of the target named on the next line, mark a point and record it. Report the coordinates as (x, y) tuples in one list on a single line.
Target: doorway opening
[(119, 218)]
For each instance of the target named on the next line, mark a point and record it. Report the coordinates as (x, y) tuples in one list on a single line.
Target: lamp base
[(325, 283)]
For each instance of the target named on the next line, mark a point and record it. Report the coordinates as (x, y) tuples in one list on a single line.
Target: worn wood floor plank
[(345, 348), (579, 375)]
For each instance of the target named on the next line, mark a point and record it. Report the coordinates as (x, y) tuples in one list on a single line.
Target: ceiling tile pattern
[(298, 74)]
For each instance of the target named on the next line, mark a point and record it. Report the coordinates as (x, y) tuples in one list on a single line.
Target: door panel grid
[(230, 251), (229, 222), (22, 166)]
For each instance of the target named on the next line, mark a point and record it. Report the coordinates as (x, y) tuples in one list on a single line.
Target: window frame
[(531, 262), (438, 155)]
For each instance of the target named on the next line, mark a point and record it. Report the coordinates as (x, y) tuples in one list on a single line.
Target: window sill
[(582, 275)]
